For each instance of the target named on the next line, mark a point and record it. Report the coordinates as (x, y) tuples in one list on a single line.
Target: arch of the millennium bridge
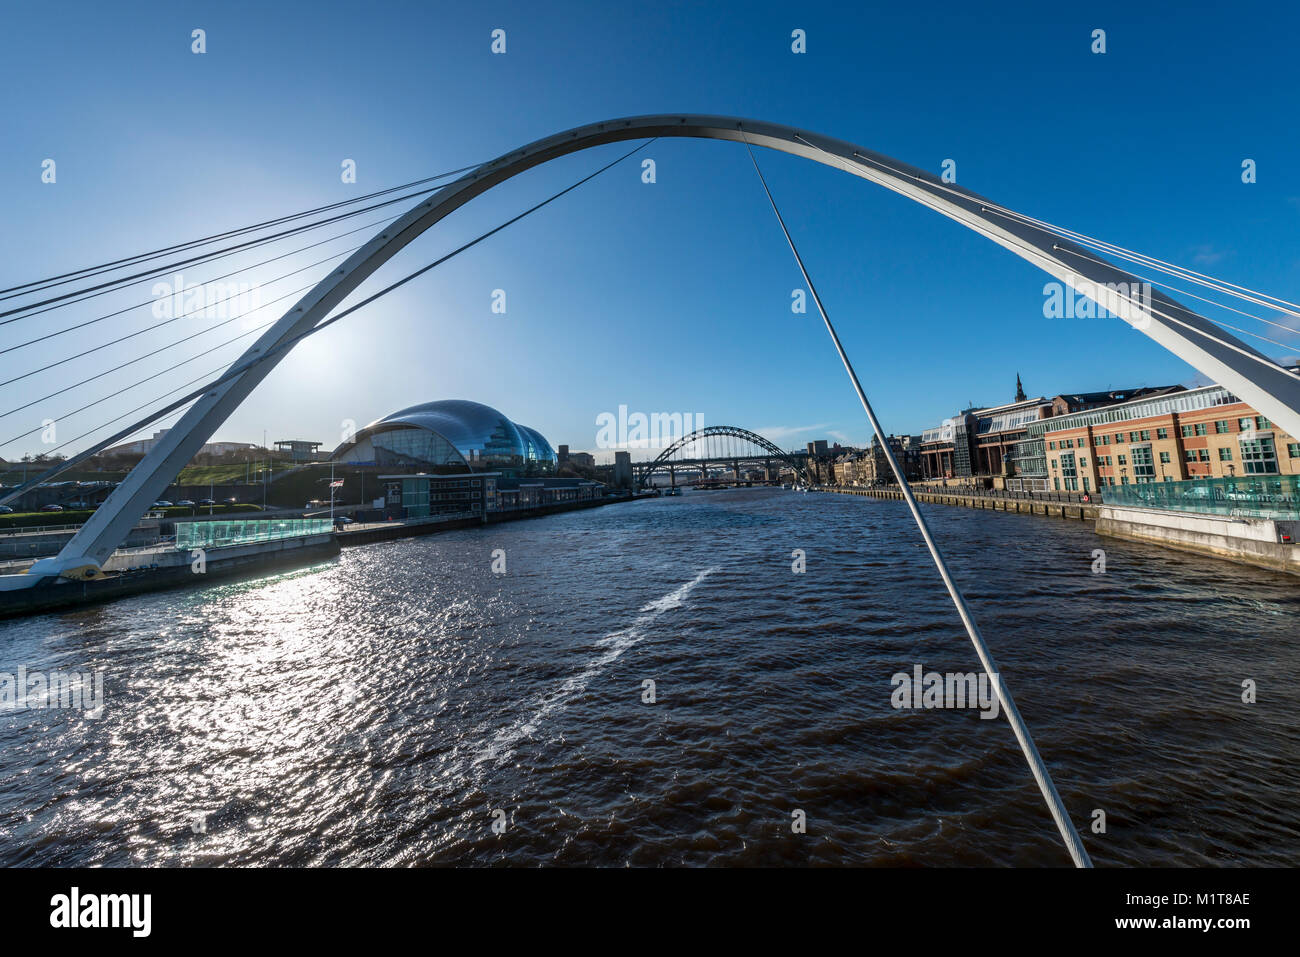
[(664, 459), (1266, 386)]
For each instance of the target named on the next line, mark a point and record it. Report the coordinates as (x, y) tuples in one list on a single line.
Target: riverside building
[(1197, 433)]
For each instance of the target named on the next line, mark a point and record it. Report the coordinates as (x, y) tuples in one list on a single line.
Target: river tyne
[(409, 704)]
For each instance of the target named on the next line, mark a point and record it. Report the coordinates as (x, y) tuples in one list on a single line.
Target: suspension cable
[(1041, 774), (1015, 241), (161, 349), (234, 272), (140, 382), (36, 285), (106, 287), (156, 325), (241, 368), (1182, 272)]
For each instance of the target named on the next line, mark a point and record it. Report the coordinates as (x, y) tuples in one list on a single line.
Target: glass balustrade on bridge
[(222, 534), (1256, 496)]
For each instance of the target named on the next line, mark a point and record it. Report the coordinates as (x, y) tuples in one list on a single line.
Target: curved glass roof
[(539, 450), (479, 434)]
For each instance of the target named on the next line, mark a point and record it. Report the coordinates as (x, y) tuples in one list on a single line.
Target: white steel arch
[(1268, 387)]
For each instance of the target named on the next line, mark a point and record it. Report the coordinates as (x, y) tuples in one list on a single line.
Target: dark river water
[(392, 706)]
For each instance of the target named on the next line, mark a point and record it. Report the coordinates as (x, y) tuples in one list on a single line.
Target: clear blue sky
[(665, 297)]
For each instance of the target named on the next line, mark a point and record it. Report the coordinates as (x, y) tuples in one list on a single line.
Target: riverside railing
[(1069, 498), (221, 534), (1255, 496)]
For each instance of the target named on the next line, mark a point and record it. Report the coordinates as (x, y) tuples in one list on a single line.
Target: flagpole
[(331, 493)]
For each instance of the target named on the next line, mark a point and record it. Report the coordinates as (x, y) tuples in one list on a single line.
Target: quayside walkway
[(1059, 507)]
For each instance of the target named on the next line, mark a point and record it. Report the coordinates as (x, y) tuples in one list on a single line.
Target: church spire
[(1020, 389)]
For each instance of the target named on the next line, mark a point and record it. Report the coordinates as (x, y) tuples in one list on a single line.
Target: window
[(1201, 429), (1053, 463), (1146, 435), (1132, 436), (1162, 433), (1056, 482), (1085, 484), (1293, 450), (1123, 460), (1119, 437), (1143, 469), (1186, 431), (1164, 458), (1258, 457), (1189, 455), (1052, 445), (1083, 463), (1221, 427), (1068, 472), (1225, 455)]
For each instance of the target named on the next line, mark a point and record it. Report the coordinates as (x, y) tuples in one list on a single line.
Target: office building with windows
[(1197, 433)]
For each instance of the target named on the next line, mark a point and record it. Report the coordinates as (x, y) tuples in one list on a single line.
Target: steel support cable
[(140, 382), (240, 369), (1255, 357), (1192, 295), (1055, 805), (175, 407), (106, 287), (29, 287), (1142, 259), (161, 349), (1178, 272), (234, 272), (1173, 269), (165, 322)]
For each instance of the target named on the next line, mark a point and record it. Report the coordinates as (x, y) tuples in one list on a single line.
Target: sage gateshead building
[(451, 436)]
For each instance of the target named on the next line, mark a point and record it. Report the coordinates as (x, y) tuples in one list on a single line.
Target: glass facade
[(218, 534), (414, 447), (1276, 497), (453, 435)]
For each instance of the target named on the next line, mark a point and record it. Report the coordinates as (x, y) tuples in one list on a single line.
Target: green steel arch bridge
[(726, 447)]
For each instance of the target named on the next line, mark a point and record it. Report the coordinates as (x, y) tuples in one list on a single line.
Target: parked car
[(51, 508), (185, 502), (207, 501), (162, 503), (343, 521), (78, 505), (6, 510), (231, 501)]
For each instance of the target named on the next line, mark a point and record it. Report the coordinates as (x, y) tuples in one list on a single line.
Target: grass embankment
[(234, 474), (78, 516)]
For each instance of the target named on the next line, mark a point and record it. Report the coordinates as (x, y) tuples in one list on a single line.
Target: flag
[(337, 483)]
